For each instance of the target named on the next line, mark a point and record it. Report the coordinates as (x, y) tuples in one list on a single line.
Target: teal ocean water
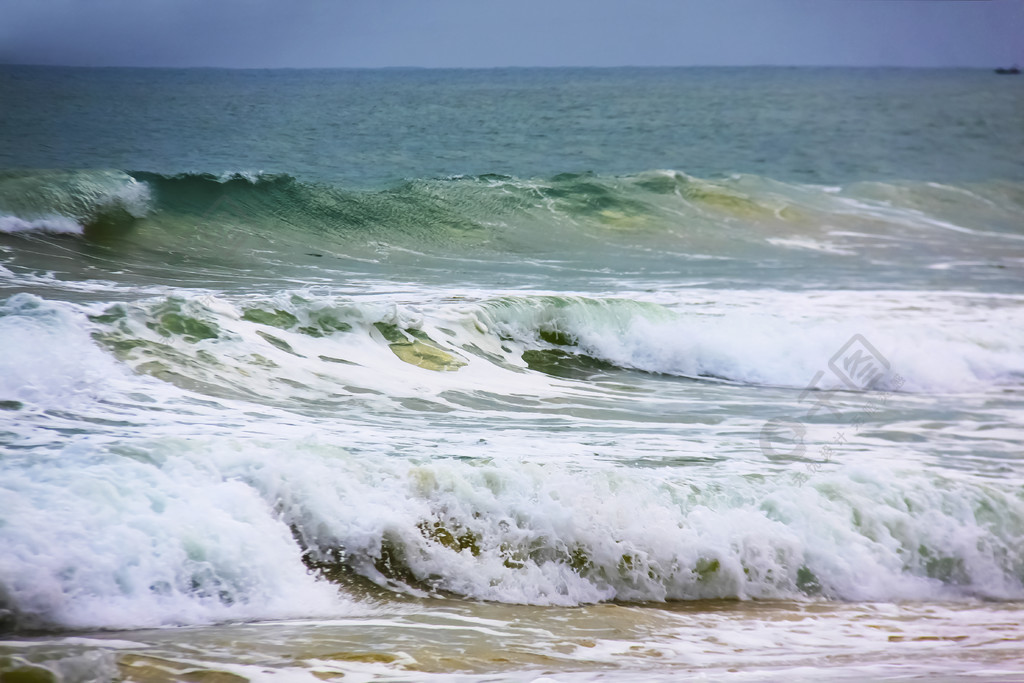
[(555, 374)]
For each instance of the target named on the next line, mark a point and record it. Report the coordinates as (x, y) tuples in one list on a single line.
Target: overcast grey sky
[(481, 33)]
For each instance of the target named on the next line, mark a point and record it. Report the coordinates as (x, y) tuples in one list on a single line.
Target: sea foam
[(56, 225)]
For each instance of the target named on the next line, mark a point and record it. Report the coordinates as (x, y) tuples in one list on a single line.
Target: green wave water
[(660, 222)]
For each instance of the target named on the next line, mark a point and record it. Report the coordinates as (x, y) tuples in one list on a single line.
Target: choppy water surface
[(576, 374)]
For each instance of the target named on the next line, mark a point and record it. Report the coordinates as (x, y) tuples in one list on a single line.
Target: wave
[(57, 225), (662, 209), (193, 524), (650, 202), (176, 555), (303, 346), (70, 202), (184, 531), (547, 534)]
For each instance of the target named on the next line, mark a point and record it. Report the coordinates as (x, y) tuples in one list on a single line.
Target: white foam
[(54, 225), (49, 360), (931, 342), (191, 527), (133, 196), (63, 201), (249, 175), (128, 544), (555, 534), (809, 244), (198, 530)]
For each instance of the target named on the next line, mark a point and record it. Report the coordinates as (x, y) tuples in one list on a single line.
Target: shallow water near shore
[(455, 640)]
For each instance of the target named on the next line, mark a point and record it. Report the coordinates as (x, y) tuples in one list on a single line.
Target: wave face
[(503, 209), (302, 334), (70, 202), (644, 230)]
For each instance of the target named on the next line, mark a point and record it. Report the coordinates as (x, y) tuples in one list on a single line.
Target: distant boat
[(1013, 70)]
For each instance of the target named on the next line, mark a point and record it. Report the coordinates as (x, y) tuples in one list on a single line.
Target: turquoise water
[(630, 374), (375, 128)]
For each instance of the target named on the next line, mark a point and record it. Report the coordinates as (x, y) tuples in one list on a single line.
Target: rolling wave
[(187, 525), (303, 346), (504, 212), (71, 202), (178, 507)]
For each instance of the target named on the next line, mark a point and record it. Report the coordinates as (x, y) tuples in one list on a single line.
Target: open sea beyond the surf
[(507, 375)]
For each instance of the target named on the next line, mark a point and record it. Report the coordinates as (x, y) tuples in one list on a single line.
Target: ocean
[(511, 375)]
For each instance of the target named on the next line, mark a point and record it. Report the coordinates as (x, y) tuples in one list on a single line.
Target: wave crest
[(71, 202)]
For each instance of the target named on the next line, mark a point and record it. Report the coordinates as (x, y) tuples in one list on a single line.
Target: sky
[(495, 33)]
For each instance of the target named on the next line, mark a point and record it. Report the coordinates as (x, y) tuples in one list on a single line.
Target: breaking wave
[(505, 213), (189, 528), (70, 202)]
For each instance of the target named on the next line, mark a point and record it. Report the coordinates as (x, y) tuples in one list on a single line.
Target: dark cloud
[(469, 33)]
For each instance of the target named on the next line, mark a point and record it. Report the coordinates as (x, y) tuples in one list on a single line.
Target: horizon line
[(490, 68)]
